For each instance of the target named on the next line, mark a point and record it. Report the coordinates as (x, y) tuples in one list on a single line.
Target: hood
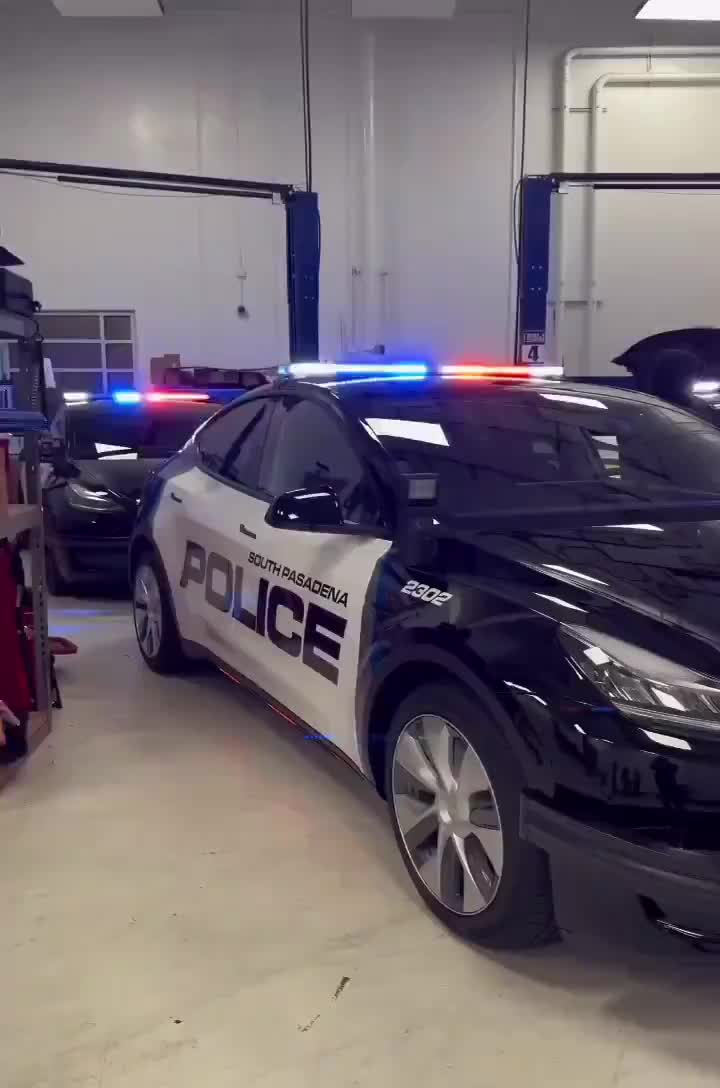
[(125, 479), (657, 584)]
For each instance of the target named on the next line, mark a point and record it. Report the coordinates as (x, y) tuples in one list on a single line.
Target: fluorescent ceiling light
[(667, 741), (560, 601), (639, 526), (399, 9), (92, 9), (564, 398), (574, 573), (115, 453), (411, 429), (681, 11)]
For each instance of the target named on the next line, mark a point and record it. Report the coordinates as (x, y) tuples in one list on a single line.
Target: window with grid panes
[(91, 351)]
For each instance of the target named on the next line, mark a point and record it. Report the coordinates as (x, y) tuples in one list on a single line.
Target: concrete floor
[(194, 895)]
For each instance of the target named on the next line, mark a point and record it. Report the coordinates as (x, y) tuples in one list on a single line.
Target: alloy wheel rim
[(147, 609), (447, 814)]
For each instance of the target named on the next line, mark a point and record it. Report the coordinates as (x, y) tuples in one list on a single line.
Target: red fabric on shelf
[(14, 680)]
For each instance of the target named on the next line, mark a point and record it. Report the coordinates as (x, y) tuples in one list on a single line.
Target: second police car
[(499, 599)]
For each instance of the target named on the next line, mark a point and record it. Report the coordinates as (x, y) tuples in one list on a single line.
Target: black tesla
[(104, 450)]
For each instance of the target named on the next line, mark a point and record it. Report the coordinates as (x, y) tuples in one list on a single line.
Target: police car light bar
[(132, 396), (417, 369), (414, 369), (487, 370)]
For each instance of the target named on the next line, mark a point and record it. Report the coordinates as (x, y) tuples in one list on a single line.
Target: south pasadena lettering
[(302, 581)]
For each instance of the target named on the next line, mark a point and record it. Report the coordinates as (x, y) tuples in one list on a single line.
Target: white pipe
[(371, 280), (596, 53), (640, 51), (619, 79)]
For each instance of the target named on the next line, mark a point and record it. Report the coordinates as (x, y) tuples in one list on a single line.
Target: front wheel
[(155, 625), (454, 790)]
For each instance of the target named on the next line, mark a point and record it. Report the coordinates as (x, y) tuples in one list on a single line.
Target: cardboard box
[(159, 364)]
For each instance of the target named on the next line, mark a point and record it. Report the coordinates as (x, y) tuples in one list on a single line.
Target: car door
[(203, 535), (318, 582)]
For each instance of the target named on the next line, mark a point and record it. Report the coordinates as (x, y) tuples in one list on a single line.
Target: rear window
[(131, 433), (550, 448)]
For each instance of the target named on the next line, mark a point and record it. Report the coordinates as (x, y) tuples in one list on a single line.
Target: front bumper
[(677, 890), (91, 557)]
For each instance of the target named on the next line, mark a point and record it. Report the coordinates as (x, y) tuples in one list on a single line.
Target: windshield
[(131, 434), (550, 449)]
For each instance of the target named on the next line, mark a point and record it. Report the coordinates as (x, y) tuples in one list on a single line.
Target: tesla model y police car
[(497, 598)]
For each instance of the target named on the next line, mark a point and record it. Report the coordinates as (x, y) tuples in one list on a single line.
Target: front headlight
[(643, 685), (93, 500)]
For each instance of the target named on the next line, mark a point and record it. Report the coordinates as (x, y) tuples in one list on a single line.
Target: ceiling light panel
[(399, 9), (90, 9), (682, 11)]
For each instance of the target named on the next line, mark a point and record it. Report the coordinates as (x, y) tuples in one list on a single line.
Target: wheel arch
[(140, 543), (427, 663)]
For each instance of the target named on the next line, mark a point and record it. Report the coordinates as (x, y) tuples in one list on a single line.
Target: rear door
[(202, 530), (318, 583)]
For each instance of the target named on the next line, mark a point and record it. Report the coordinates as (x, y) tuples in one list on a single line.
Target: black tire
[(521, 913), (163, 655), (57, 584)]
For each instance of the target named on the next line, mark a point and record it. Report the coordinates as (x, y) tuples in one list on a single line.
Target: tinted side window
[(232, 445), (309, 449)]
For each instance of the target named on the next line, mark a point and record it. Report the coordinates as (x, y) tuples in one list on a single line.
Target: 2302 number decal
[(427, 593)]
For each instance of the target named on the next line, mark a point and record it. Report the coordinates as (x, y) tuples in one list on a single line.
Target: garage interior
[(192, 890)]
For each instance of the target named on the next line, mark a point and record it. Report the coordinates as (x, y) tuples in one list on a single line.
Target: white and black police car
[(496, 595)]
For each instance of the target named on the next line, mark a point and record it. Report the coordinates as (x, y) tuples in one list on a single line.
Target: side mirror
[(310, 510)]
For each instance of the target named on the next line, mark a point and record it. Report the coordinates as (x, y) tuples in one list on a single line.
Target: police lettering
[(278, 613)]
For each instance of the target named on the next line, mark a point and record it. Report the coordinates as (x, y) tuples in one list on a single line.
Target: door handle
[(174, 497), (247, 532)]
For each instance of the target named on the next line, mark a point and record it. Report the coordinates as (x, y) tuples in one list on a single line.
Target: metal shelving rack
[(17, 519)]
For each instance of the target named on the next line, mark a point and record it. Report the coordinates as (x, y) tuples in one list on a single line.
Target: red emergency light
[(489, 370), (158, 396)]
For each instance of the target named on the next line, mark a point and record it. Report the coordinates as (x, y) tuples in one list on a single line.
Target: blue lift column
[(534, 269), (303, 284)]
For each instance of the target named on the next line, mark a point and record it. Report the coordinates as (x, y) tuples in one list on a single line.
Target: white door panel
[(317, 588), (285, 610), (197, 529)]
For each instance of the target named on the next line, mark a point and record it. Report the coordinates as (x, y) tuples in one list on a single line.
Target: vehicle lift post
[(535, 238), (301, 215)]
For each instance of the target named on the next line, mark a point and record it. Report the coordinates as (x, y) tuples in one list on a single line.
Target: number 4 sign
[(534, 354)]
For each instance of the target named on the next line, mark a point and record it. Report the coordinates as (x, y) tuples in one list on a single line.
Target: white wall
[(655, 266), (425, 222), (219, 94), (187, 94)]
